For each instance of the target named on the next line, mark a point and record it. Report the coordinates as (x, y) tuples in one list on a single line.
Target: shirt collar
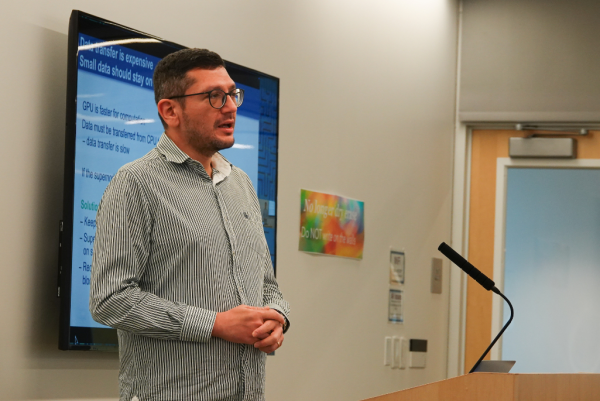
[(168, 148), (221, 167), (173, 154)]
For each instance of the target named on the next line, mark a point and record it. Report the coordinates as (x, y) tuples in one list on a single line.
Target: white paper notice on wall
[(396, 267), (395, 311)]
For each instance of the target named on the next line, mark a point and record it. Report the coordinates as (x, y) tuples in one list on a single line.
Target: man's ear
[(169, 110)]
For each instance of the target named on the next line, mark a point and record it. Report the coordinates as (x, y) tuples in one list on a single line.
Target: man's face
[(207, 129)]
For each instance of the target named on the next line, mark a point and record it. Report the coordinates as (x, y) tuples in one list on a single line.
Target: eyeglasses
[(217, 98)]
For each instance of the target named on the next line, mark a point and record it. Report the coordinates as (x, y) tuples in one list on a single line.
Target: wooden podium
[(504, 387)]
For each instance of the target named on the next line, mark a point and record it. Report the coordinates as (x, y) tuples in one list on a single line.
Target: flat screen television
[(111, 119)]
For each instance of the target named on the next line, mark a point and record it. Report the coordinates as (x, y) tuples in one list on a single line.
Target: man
[(181, 266)]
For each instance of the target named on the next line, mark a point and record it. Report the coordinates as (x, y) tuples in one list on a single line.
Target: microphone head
[(444, 247), (468, 268), (451, 254)]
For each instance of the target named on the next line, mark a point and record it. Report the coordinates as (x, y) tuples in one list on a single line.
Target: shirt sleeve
[(272, 296), (121, 252)]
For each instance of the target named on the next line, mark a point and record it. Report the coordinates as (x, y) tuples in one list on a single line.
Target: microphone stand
[(484, 281), (512, 314)]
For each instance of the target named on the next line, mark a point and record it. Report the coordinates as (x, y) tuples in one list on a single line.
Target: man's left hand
[(270, 335)]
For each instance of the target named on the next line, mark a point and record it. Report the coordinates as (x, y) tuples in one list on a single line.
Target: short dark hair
[(170, 74)]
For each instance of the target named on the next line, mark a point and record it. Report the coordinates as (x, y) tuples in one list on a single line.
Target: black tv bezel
[(111, 31)]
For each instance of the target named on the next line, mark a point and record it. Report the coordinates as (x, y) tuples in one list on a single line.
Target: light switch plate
[(436, 276), (396, 352), (404, 352), (387, 351)]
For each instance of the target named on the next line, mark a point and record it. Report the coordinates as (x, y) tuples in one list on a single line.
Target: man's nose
[(229, 105)]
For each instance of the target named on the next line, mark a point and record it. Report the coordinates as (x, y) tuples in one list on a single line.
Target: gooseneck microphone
[(485, 282), (468, 268)]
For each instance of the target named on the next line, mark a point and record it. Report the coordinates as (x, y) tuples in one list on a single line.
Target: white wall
[(392, 150), (530, 60)]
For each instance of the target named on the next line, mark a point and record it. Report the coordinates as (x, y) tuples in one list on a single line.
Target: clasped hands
[(260, 326)]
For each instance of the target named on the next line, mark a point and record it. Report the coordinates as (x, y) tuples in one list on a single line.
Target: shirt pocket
[(250, 233)]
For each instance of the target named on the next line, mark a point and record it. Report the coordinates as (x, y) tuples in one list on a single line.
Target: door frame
[(459, 241), (460, 226)]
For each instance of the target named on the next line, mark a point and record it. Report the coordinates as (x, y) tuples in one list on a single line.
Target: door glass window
[(552, 270)]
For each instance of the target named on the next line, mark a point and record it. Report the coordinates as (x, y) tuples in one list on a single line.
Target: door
[(551, 265), (486, 240)]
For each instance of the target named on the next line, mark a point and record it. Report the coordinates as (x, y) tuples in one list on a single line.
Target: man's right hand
[(237, 324)]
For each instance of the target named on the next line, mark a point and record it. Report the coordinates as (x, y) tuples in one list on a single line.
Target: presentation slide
[(117, 122)]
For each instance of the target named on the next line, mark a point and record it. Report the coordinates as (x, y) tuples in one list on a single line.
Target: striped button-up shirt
[(173, 247)]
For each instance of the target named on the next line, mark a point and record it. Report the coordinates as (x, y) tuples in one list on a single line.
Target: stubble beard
[(202, 137)]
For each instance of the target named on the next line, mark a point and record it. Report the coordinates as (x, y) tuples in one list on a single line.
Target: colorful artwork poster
[(331, 225)]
